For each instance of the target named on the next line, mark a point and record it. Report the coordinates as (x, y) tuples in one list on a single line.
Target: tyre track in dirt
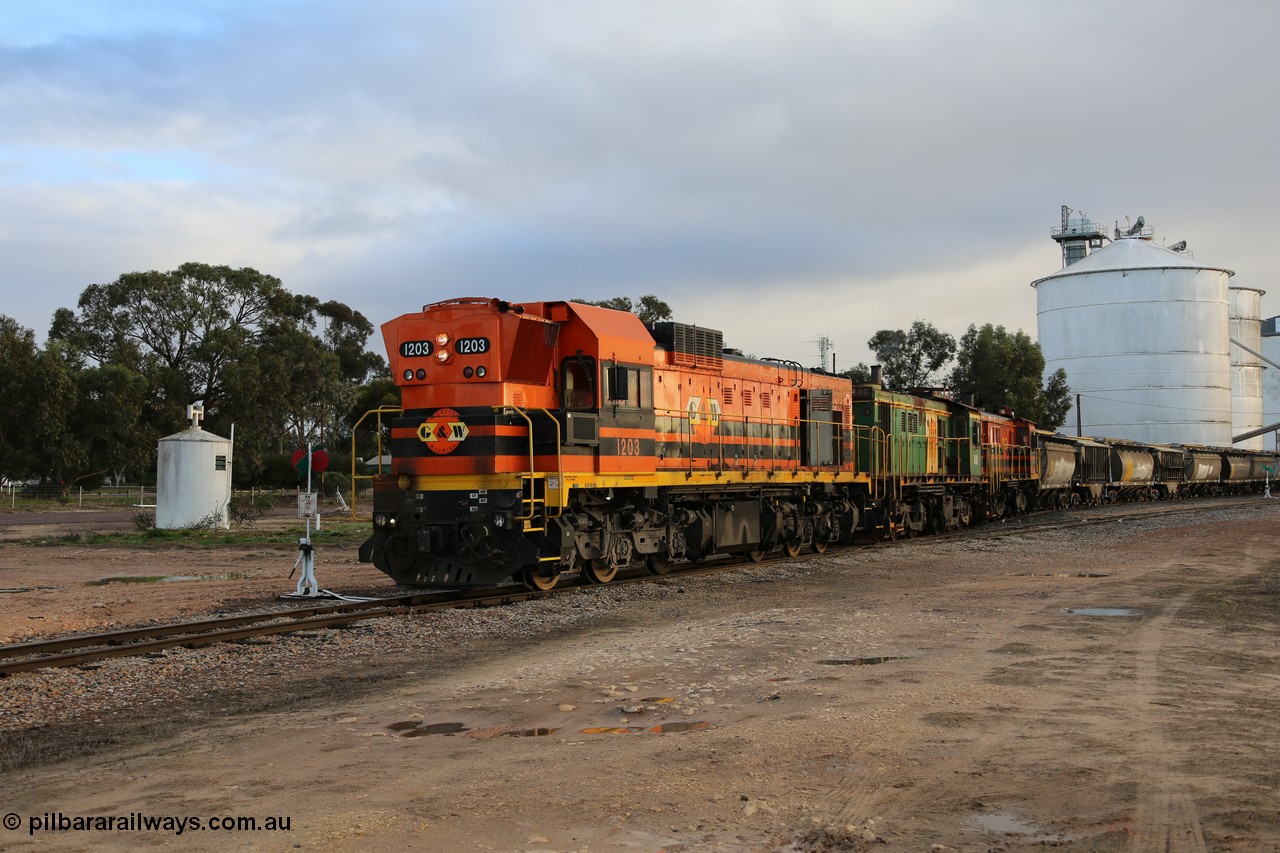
[(1165, 819)]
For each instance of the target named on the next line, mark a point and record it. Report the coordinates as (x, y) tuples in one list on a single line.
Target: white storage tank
[(1271, 378), (1246, 367), (1142, 332), (193, 479)]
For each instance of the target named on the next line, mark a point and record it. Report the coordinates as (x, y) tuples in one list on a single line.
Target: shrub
[(246, 508)]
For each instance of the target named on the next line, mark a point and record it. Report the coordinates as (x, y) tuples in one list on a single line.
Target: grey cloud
[(575, 148)]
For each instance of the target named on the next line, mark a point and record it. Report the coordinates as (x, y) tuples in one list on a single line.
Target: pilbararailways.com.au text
[(139, 822)]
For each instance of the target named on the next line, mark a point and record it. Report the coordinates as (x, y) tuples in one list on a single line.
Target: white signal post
[(307, 507)]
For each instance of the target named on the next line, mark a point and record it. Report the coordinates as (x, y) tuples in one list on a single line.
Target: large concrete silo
[(1271, 379), (1246, 366), (1142, 332)]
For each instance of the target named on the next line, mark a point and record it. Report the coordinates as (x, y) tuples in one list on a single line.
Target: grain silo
[(193, 478), (1246, 364), (1271, 377), (1143, 334)]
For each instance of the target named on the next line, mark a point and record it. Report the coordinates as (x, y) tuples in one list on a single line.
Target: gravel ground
[(930, 694)]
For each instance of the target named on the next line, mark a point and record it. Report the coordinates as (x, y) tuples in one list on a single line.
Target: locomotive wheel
[(539, 579), (820, 545), (791, 547), (756, 555), (657, 564), (599, 571)]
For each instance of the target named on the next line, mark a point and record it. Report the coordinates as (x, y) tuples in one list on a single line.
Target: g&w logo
[(443, 431)]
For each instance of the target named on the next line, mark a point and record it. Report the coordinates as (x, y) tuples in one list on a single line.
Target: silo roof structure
[(1142, 332)]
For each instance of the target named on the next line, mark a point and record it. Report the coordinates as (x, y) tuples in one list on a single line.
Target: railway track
[(87, 648)]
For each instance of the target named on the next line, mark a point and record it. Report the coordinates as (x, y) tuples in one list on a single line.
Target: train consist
[(555, 438)]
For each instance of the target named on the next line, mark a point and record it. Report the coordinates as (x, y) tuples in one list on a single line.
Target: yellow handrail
[(379, 412), (533, 474)]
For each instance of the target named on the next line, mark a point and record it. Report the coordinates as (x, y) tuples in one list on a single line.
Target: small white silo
[(193, 478), (1142, 332), (1246, 366)]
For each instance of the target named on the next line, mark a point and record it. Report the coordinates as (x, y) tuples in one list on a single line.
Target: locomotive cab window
[(630, 387), (578, 382)]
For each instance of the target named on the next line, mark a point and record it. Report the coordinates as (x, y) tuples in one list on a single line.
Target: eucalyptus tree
[(284, 368), (914, 357), (1002, 368)]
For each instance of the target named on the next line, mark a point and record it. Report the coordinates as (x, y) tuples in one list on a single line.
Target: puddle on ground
[(861, 661), (658, 700), (1103, 611), (663, 729), (541, 732), (670, 728), (1004, 823), (412, 729), (161, 579)]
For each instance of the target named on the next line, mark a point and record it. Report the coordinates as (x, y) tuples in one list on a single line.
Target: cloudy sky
[(781, 170)]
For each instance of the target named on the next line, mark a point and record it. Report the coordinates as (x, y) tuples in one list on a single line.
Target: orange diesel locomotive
[(553, 438)]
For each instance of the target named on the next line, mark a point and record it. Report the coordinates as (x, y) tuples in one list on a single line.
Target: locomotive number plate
[(471, 346), (416, 349)]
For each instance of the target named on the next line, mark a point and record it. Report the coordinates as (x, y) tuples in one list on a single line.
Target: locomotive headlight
[(499, 520), (442, 339), (481, 371), (442, 355), (408, 374)]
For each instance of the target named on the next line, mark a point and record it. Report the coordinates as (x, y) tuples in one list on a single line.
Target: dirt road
[(929, 696)]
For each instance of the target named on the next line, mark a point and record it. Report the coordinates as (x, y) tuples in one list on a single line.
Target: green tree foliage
[(179, 329), (912, 358), (859, 374), (108, 400), (650, 309), (283, 368), (1000, 368), (20, 390), (39, 427), (380, 392)]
